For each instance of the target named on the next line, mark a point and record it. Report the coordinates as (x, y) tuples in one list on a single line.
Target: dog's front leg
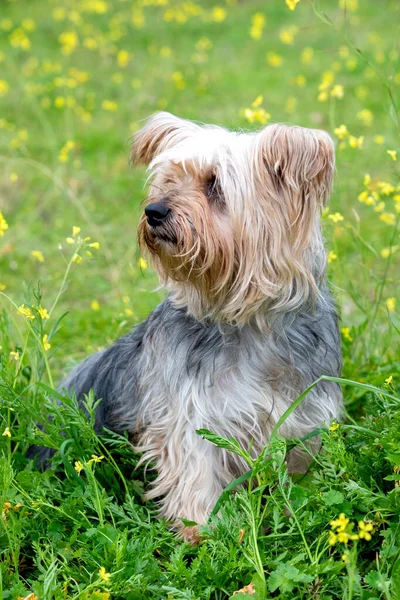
[(191, 475)]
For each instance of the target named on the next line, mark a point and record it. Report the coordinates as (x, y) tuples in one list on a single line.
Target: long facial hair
[(253, 249)]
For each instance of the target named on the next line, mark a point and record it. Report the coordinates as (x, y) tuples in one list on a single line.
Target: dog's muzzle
[(156, 213)]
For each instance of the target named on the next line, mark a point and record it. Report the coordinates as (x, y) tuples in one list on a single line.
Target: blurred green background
[(78, 77)]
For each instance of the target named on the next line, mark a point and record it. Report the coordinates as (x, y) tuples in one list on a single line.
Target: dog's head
[(232, 220)]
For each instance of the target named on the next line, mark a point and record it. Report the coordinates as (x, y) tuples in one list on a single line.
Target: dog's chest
[(224, 383)]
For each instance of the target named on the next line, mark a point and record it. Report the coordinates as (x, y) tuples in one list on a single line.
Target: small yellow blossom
[(337, 91), (4, 87), (365, 530), (38, 255), (46, 344), (78, 466), (14, 355), (95, 305), (391, 304), (218, 14), (6, 432), (379, 140), (392, 154), (43, 312), (70, 240), (257, 26), (341, 523), (300, 80), (388, 218), (26, 312), (104, 576), (95, 245), (355, 142), (287, 35), (366, 116), (3, 224), (13, 177), (346, 334), (274, 59), (332, 256), (291, 4), (334, 426), (389, 380), (96, 458), (77, 259), (341, 132), (109, 105), (257, 102), (142, 263), (75, 230), (336, 217), (344, 558)]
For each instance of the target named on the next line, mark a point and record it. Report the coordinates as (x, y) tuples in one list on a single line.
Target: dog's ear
[(299, 161), (161, 132)]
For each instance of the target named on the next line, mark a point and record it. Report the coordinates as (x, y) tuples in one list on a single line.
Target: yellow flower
[(334, 426), (109, 105), (341, 132), (14, 355), (43, 313), (6, 432), (344, 558), (95, 245), (392, 153), (26, 312), (389, 380), (291, 4), (3, 224), (386, 252), (77, 259), (123, 58), (95, 305), (78, 466), (38, 255), (274, 59), (96, 459), (70, 240), (341, 523), (218, 14), (336, 217), (366, 116), (332, 256), (46, 344), (300, 80), (379, 140), (104, 576), (346, 334), (257, 102), (4, 87), (337, 91), (388, 218), (356, 142), (142, 263), (287, 35), (332, 539), (365, 530), (391, 304)]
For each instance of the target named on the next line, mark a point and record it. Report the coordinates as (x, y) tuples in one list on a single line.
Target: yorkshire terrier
[(232, 224)]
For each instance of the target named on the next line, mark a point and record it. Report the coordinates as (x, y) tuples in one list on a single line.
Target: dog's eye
[(213, 190)]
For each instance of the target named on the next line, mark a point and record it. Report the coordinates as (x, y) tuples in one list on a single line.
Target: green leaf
[(286, 577), (332, 497)]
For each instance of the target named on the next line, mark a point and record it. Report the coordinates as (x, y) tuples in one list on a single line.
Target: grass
[(64, 79)]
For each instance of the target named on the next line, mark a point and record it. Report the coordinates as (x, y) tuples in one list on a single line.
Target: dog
[(232, 225)]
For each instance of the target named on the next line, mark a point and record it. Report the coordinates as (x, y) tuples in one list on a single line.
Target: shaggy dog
[(232, 224)]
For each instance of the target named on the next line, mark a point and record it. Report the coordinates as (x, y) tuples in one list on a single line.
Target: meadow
[(76, 80)]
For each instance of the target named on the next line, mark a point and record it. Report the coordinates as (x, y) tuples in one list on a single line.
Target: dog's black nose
[(156, 213)]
